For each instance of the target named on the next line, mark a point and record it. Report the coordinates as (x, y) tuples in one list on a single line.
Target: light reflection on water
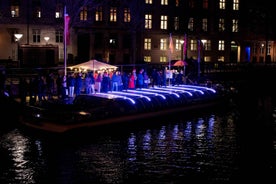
[(201, 149)]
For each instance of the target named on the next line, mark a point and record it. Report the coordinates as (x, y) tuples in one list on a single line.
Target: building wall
[(77, 52)]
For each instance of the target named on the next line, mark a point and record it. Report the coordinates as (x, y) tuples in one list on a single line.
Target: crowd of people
[(57, 86)]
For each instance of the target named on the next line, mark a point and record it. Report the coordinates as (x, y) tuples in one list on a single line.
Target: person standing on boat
[(50, 85), (92, 82), (64, 87), (87, 81), (98, 82), (78, 84), (59, 83), (164, 77), (146, 79), (71, 85), (115, 81), (131, 82), (140, 79), (41, 88), (120, 81), (125, 79), (105, 82), (154, 77), (135, 76)]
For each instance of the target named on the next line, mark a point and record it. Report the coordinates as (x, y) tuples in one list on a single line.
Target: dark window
[(98, 41), (126, 41)]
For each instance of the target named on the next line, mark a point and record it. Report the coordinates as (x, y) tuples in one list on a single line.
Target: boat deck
[(131, 95)]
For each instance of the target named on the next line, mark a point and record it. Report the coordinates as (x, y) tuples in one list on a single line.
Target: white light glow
[(18, 36), (46, 38)]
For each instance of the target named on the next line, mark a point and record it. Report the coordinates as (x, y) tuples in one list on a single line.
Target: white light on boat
[(175, 90), (37, 115), (160, 91), (131, 94), (149, 93), (84, 113)]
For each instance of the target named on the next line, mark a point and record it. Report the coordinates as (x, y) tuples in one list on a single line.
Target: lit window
[(147, 44), (163, 44), (235, 4), (37, 12), (163, 59), (164, 2), (99, 14), (113, 14), (207, 45), (191, 24), (222, 4), (207, 59), (148, 21), (126, 15), (147, 59), (148, 1), (221, 45), (221, 58), (15, 10), (178, 44), (193, 44), (221, 25), (235, 26), (164, 22), (205, 24), (58, 15), (59, 11), (176, 23), (83, 13)]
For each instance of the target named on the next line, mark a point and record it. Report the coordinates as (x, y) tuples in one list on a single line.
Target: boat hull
[(107, 109)]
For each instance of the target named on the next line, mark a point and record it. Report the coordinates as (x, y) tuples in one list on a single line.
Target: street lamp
[(46, 38), (18, 36)]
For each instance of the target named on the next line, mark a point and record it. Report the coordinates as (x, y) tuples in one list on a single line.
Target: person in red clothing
[(131, 82)]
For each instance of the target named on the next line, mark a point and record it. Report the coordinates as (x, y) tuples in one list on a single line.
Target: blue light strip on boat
[(131, 94), (144, 92), (200, 87), (160, 91), (187, 88), (175, 90), (111, 96)]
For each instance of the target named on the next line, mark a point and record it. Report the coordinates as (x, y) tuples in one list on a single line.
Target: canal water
[(218, 146)]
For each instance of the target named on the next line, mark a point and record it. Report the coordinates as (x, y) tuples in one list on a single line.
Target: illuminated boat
[(118, 107)]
